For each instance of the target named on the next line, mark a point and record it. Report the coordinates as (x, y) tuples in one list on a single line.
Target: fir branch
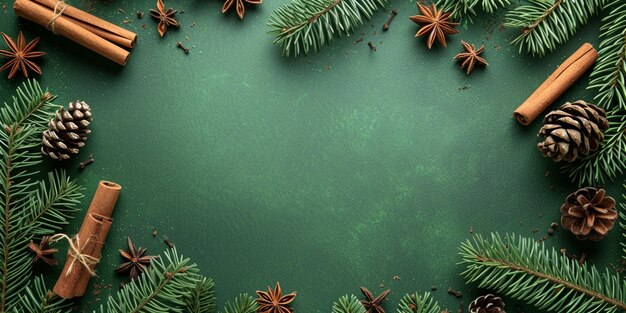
[(465, 9), (39, 299), (26, 210), (348, 304), (418, 303), (305, 25), (242, 304), (162, 288), (202, 299), (606, 163), (545, 24), (608, 76), (527, 271), (622, 224)]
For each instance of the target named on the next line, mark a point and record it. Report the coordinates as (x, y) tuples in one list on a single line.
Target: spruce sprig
[(39, 299), (608, 76), (29, 207), (525, 270), (305, 25), (202, 298), (242, 304), (606, 163), (545, 24), (465, 9), (348, 304), (418, 303)]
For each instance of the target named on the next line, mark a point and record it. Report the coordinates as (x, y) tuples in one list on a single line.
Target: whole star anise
[(241, 9), (373, 304), (273, 301), (137, 261), (435, 23), (470, 57), (19, 55), (43, 251), (165, 17)]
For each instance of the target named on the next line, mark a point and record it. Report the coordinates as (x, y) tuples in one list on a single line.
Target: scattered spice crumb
[(168, 243), (187, 38), (466, 87), (471, 229), (193, 24), (371, 45), (139, 14), (455, 293), (396, 277), (328, 67), (375, 33), (433, 288), (126, 21), (121, 10), (180, 45), (357, 41), (154, 232), (460, 307), (534, 230), (4, 7), (547, 174), (144, 26)]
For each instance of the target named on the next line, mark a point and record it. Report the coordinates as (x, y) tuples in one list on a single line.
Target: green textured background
[(328, 172)]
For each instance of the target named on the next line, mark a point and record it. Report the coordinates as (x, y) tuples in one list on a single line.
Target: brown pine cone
[(574, 129), (487, 304), (588, 213), (67, 131)]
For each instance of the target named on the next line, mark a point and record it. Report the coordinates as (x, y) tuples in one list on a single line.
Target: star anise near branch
[(435, 23), (19, 54), (241, 9), (373, 304), (273, 301), (165, 17), (471, 57), (137, 262), (43, 251)]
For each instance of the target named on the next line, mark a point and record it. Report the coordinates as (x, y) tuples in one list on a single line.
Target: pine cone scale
[(588, 213)]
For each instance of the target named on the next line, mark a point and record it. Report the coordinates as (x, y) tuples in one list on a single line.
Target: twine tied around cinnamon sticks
[(58, 11), (76, 252)]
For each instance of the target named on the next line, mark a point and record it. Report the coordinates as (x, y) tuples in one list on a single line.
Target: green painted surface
[(326, 173)]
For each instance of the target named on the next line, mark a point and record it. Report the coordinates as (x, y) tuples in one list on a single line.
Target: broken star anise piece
[(273, 301), (43, 251), (241, 9), (137, 261), (165, 17), (373, 304), (471, 57), (19, 54), (435, 23)]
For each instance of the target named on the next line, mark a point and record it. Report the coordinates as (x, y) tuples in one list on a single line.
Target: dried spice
[(165, 17), (471, 57), (588, 213), (435, 23), (394, 12), (137, 261), (373, 304), (82, 165), (574, 129), (487, 304), (43, 251), (273, 301), (241, 9), (20, 54)]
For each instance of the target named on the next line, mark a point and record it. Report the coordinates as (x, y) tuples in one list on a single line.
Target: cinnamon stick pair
[(87, 30), (91, 237), (556, 84)]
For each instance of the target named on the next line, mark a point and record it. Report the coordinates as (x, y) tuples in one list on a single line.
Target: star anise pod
[(373, 304), (19, 54), (43, 251), (471, 57), (435, 23), (273, 301), (165, 17), (241, 9), (137, 261)]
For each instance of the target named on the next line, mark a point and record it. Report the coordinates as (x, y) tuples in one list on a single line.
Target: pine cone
[(67, 131), (574, 129), (588, 214), (487, 304)]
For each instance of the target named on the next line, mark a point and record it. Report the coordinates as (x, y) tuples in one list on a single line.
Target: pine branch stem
[(326, 10), (168, 277), (7, 202), (545, 15), (556, 280), (44, 98)]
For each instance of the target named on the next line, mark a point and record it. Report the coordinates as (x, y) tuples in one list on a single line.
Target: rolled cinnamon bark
[(556, 84), (64, 26), (92, 235)]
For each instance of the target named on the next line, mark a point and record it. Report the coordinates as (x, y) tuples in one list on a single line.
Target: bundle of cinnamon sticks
[(105, 38)]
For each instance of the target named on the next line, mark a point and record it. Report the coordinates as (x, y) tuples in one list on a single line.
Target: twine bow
[(59, 7), (75, 251)]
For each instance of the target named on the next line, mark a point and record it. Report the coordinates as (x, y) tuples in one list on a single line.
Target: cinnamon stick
[(556, 84), (91, 237), (68, 27)]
